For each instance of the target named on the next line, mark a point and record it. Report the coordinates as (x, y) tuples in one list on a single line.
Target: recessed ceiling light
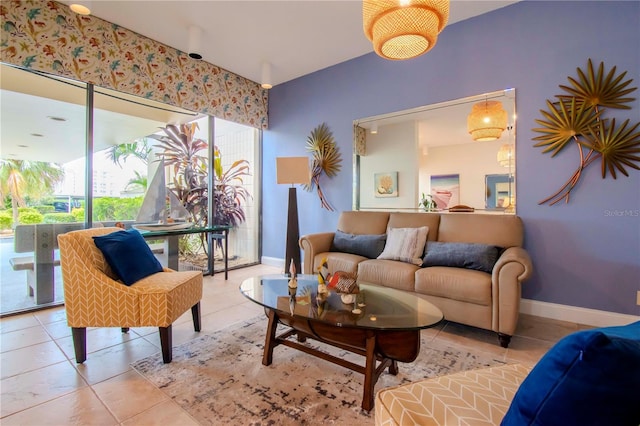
[(38, 135), (50, 117), (81, 9)]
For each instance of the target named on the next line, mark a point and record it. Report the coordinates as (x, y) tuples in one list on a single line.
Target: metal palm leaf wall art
[(579, 116), (326, 159)]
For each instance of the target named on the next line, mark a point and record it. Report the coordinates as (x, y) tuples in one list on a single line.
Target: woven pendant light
[(487, 121), (506, 155), (404, 29)]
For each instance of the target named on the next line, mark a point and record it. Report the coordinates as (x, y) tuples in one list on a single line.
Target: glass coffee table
[(382, 324)]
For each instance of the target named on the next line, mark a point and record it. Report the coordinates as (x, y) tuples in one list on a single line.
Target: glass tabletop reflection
[(374, 307)]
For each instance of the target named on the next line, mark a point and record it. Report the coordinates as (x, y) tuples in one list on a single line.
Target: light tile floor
[(41, 384)]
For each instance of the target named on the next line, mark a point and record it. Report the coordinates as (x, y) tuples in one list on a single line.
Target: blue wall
[(585, 253)]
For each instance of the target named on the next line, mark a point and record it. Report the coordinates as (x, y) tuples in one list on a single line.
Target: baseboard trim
[(592, 317), (273, 261), (586, 316), (277, 262)]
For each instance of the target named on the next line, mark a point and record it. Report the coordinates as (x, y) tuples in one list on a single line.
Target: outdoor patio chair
[(95, 296)]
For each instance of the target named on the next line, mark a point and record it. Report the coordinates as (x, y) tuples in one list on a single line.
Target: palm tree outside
[(20, 179), (139, 149)]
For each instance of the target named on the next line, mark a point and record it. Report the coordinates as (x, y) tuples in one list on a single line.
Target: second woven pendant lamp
[(487, 121)]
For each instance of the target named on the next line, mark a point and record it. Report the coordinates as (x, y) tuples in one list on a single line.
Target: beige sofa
[(486, 300)]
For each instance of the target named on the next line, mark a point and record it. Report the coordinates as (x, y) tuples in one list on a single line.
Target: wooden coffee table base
[(381, 348)]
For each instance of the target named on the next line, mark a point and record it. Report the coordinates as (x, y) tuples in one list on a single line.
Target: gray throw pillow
[(481, 257), (363, 245)]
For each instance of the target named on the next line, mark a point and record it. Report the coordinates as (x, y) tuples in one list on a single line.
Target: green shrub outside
[(128, 208), (6, 220), (58, 218), (111, 208), (190, 245), (26, 210), (29, 216), (45, 209), (78, 214), (104, 209)]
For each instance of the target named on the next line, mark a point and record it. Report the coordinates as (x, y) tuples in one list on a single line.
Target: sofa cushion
[(465, 285), (369, 246), (389, 273), (502, 230), (480, 257), (128, 255), (416, 220), (591, 377), (337, 261), (405, 244), (363, 222)]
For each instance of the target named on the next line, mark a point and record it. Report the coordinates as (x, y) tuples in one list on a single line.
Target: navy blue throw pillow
[(591, 377), (363, 245), (481, 257), (128, 254)]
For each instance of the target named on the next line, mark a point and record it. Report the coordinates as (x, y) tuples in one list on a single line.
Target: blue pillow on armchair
[(591, 377), (128, 254)]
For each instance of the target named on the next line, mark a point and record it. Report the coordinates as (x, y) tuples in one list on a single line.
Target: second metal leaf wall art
[(579, 118)]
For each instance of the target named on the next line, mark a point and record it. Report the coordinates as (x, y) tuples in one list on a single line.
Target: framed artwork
[(445, 190), (385, 184)]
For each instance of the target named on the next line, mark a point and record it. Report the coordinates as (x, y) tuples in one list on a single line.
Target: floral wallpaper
[(360, 139), (47, 36)]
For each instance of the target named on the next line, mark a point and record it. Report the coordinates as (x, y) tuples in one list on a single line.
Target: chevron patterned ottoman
[(475, 397)]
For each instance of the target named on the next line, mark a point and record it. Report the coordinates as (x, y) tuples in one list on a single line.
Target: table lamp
[(292, 170)]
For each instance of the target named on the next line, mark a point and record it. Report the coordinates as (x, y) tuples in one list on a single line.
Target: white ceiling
[(297, 37)]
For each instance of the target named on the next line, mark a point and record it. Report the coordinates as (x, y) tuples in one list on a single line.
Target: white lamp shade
[(81, 7), (292, 170)]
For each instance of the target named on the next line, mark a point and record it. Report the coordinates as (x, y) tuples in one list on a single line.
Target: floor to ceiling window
[(130, 148), (42, 122), (237, 149)]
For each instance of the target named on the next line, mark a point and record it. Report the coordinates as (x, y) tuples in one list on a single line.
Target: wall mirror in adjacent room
[(430, 150), (498, 190)]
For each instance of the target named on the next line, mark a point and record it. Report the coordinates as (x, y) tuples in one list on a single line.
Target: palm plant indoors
[(182, 151), (186, 155)]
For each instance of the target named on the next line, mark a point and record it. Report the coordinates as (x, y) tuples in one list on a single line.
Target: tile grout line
[(161, 402)]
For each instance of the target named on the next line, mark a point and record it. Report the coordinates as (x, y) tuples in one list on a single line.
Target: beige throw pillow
[(405, 244)]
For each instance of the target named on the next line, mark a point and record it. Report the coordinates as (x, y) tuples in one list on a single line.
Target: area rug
[(219, 379)]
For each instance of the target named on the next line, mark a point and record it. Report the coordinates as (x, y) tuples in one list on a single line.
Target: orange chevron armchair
[(94, 296)]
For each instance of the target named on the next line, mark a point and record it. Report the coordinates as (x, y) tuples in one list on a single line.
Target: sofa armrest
[(511, 269), (313, 244), (519, 255)]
